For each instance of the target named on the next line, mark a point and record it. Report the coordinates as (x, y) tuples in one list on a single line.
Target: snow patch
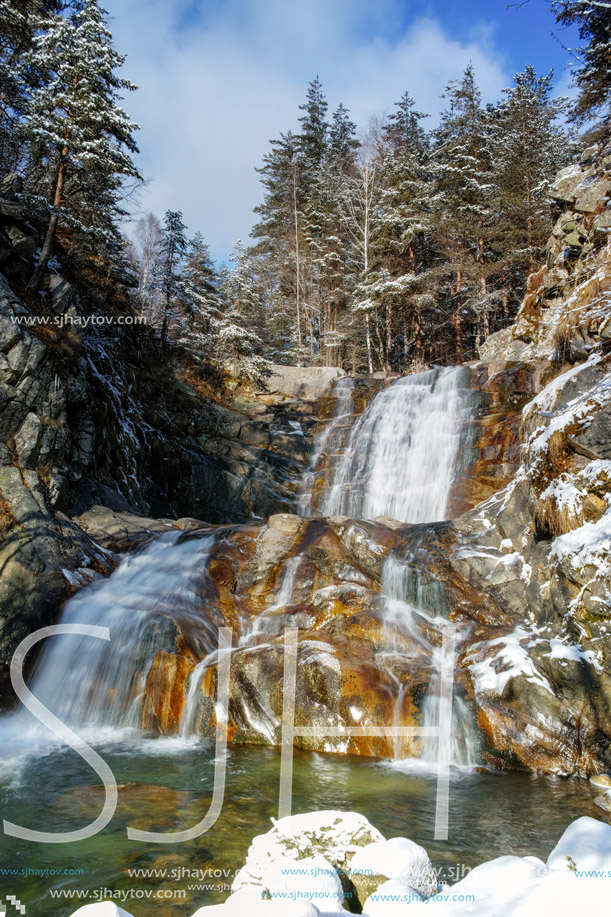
[(492, 674)]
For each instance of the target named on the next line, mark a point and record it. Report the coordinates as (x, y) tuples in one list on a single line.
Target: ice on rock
[(398, 859), (585, 846)]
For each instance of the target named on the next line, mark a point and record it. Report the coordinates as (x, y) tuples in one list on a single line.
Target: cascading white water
[(401, 458), (414, 606), (329, 441), (400, 462), (263, 624), (90, 682)]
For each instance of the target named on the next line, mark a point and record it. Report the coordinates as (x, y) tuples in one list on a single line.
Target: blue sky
[(219, 78)]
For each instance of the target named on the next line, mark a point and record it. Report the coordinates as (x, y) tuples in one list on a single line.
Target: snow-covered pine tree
[(313, 136), (337, 269), (328, 262), (530, 146), (75, 122), (17, 29), (169, 269), (312, 150), (280, 241), (592, 73), (360, 208), (243, 313), (403, 248), (463, 210)]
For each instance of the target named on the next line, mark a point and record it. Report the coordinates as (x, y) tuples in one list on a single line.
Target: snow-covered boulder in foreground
[(101, 909), (391, 898), (334, 835), (585, 846), (312, 880), (399, 860), (520, 886), (248, 901)]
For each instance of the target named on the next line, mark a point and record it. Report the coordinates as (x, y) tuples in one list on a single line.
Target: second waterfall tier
[(400, 458)]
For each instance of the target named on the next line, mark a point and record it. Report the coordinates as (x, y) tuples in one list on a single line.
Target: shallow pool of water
[(166, 786)]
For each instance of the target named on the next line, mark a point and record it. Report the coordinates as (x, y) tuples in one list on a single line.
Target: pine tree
[(463, 214), (17, 29), (593, 72), (404, 238), (529, 149), (313, 136), (280, 233), (330, 253), (75, 122), (169, 270), (242, 315), (342, 140), (360, 213)]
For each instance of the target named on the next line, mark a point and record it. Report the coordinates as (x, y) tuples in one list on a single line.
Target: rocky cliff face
[(525, 574), (90, 414), (541, 544), (523, 571)]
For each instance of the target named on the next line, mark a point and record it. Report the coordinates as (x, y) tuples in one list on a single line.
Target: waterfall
[(88, 682), (263, 623), (329, 443), (398, 459), (415, 607), (402, 456)]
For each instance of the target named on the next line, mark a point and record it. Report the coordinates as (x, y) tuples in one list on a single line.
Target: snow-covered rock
[(584, 846), (334, 835), (248, 901), (398, 859), (101, 909), (514, 886), (313, 879), (391, 898)]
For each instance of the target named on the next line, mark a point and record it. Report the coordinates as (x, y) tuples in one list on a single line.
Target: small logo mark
[(11, 903)]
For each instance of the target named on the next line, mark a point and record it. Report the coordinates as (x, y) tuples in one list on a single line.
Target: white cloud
[(215, 87)]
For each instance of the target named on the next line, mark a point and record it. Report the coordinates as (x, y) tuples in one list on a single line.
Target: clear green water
[(490, 815)]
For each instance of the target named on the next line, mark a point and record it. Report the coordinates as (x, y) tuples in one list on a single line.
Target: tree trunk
[(297, 268), (417, 333), (456, 318), (368, 336), (47, 247)]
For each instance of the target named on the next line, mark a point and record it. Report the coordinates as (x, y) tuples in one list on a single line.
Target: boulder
[(11, 186), (249, 901), (333, 835), (101, 909), (590, 193), (585, 845), (123, 531), (306, 383), (399, 860), (22, 240), (391, 898), (63, 295), (566, 183), (27, 441)]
